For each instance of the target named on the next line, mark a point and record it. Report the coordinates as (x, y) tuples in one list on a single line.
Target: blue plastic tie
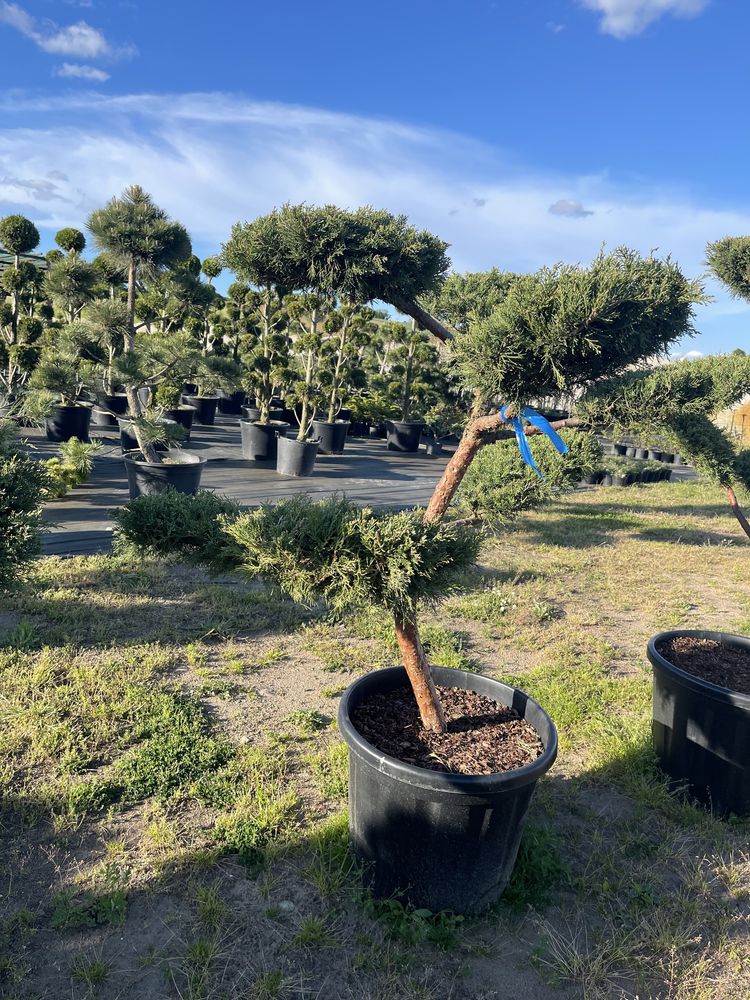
[(537, 420)]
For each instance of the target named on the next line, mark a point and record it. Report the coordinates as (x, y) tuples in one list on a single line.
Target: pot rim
[(292, 441), (457, 784), (193, 460), (692, 681)]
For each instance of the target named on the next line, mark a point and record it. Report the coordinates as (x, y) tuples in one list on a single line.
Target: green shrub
[(73, 468), (498, 486), (190, 528), (23, 485)]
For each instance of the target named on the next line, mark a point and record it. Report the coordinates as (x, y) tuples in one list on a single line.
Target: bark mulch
[(710, 660)]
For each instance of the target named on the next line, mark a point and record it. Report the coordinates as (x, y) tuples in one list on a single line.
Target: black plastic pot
[(295, 458), (624, 480), (620, 449), (702, 731), (440, 841), (232, 405), (252, 413), (593, 479), (344, 414), (668, 456), (403, 435), (66, 422), (182, 472), (259, 441), (654, 455), (641, 453), (434, 448), (332, 437), (108, 409), (378, 431), (205, 408), (128, 440), (182, 415)]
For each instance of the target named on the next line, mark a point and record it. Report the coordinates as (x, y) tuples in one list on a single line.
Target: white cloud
[(211, 159), (79, 40), (76, 71), (625, 18)]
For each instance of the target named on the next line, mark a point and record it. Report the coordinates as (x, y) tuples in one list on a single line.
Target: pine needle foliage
[(351, 556), (23, 489), (498, 486), (678, 402), (567, 326), (729, 259)]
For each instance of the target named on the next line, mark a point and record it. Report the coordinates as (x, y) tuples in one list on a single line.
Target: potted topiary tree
[(20, 329), (446, 834), (701, 705), (411, 354)]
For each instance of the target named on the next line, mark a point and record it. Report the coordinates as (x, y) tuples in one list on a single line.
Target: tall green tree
[(139, 237)]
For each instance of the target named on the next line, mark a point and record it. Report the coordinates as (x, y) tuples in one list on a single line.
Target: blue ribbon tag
[(533, 417)]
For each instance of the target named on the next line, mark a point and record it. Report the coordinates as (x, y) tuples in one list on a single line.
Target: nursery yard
[(174, 823)]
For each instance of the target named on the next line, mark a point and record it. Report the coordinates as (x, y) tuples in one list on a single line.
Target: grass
[(174, 796)]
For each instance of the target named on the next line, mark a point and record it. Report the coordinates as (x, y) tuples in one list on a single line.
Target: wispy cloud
[(79, 72), (79, 40), (212, 159), (626, 18)]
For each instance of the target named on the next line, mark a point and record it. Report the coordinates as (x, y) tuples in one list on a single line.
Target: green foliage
[(75, 912), (167, 396), (567, 326), (18, 235), (60, 377), (677, 402), (498, 486), (353, 556), (359, 256), (465, 299), (174, 524), (72, 468), (71, 240), (23, 486), (729, 259)]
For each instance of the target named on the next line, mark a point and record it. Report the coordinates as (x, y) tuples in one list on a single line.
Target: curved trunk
[(737, 510), (418, 671), (148, 451), (423, 318)]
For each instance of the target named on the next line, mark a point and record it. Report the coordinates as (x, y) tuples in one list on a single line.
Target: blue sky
[(521, 131)]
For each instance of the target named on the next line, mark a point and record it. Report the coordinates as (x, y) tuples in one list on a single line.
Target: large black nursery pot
[(252, 413), (701, 731), (181, 471), (231, 404), (66, 422), (204, 406), (108, 409), (259, 441), (403, 435), (332, 437), (439, 841), (295, 458)]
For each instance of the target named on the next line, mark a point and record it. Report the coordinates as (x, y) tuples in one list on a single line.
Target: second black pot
[(182, 415), (108, 409), (205, 408), (701, 731), (439, 841), (66, 422), (403, 435), (182, 472), (294, 457), (260, 441), (231, 405), (332, 437)]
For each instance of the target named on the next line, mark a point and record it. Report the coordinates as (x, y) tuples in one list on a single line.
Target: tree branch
[(424, 318)]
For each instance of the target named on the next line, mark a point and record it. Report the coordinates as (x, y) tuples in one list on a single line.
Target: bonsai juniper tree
[(138, 236)]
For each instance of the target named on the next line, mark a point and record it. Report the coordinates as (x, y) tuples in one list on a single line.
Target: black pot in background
[(205, 408), (702, 731), (433, 448), (128, 440), (358, 428), (295, 458), (641, 453), (108, 409), (259, 441), (654, 455), (252, 413), (189, 389), (66, 422), (378, 431), (593, 478), (232, 405), (332, 437), (344, 414), (620, 449), (182, 415), (181, 473), (668, 456), (444, 841), (403, 435)]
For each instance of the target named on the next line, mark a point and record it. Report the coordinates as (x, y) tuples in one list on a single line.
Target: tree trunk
[(737, 510), (149, 452), (418, 671), (130, 339), (423, 318)]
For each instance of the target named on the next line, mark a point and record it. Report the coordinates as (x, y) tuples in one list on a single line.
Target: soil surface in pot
[(710, 660), (482, 738)]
